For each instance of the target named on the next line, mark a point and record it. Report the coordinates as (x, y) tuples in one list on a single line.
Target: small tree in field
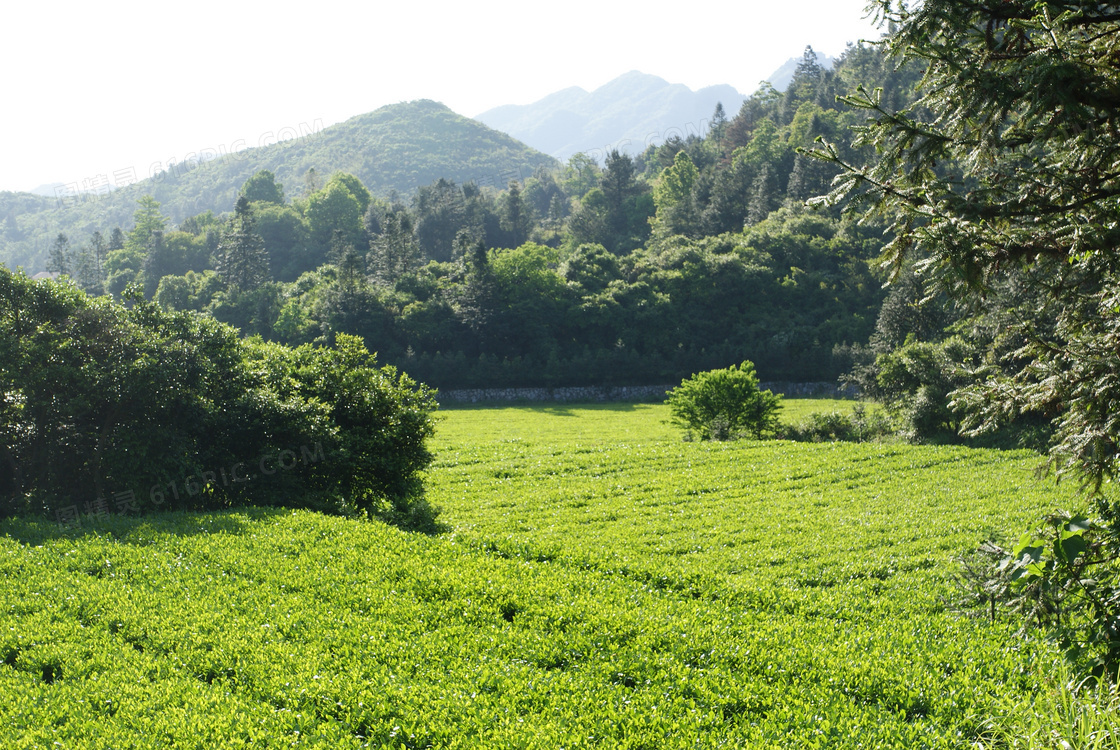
[(724, 404)]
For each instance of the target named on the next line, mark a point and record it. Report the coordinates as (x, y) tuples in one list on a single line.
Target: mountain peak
[(629, 113)]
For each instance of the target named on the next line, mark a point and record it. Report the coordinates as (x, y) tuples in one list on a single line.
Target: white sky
[(100, 88)]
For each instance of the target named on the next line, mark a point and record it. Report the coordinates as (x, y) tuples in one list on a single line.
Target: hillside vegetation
[(696, 254), (397, 148)]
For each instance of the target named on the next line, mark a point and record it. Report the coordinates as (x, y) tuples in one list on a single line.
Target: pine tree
[(1008, 171), (243, 260), (61, 258), (516, 216), (395, 251)]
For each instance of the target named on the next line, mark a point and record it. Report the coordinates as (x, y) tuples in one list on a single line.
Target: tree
[(672, 195), (580, 175), (719, 124), (334, 207), (263, 187), (148, 220), (356, 188), (116, 240), (440, 214), (157, 263), (516, 216), (243, 261), (724, 404), (152, 405), (311, 182), (1009, 165), (618, 184), (395, 251), (61, 260), (286, 239), (89, 272)]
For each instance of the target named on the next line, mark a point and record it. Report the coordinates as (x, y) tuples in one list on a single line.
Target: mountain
[(400, 148), (781, 77), (628, 113)]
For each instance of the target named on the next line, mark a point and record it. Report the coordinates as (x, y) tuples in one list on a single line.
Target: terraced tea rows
[(604, 585)]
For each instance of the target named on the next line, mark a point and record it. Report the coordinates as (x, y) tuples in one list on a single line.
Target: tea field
[(601, 584)]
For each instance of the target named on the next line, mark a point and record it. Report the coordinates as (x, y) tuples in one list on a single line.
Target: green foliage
[(1003, 174), (672, 195), (148, 220), (263, 188), (103, 401), (724, 404), (354, 186), (1060, 579), (191, 291), (856, 426), (794, 292), (286, 240), (1068, 713), (606, 586), (334, 209), (398, 147), (915, 381), (242, 259)]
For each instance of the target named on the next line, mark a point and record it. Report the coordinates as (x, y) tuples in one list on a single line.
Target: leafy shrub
[(112, 408), (826, 427), (1061, 579), (724, 404)]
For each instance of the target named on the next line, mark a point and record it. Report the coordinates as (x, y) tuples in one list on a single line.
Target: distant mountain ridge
[(629, 113), (400, 147)]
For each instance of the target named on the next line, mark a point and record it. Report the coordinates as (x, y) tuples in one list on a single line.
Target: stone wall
[(619, 393)]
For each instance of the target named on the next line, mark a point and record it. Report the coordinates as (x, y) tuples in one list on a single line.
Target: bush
[(106, 408), (724, 404), (857, 427)]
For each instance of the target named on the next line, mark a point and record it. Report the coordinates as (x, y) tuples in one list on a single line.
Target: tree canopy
[(1001, 183)]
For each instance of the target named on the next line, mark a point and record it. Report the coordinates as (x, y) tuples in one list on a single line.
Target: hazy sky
[(93, 90)]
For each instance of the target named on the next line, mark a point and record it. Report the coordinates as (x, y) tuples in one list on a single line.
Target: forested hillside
[(697, 253), (395, 148)]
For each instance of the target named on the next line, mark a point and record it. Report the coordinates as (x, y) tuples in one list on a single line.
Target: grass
[(604, 584)]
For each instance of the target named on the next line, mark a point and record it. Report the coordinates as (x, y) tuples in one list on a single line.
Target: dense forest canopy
[(695, 254)]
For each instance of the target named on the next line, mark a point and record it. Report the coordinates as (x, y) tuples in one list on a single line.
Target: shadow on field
[(563, 409), (566, 410), (137, 529)]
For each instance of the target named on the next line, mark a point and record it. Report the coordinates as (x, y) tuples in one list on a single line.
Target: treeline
[(127, 408), (696, 254)]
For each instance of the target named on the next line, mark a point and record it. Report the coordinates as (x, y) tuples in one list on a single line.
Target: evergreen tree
[(516, 216), (718, 126), (395, 251), (61, 258), (116, 240), (157, 263), (1006, 170), (441, 212), (148, 220), (243, 261), (763, 198), (97, 251)]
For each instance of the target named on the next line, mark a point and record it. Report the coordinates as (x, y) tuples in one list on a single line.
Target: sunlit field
[(601, 583)]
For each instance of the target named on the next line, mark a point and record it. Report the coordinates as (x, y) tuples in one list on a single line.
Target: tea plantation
[(601, 584)]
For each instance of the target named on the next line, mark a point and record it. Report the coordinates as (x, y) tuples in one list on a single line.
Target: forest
[(697, 253)]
